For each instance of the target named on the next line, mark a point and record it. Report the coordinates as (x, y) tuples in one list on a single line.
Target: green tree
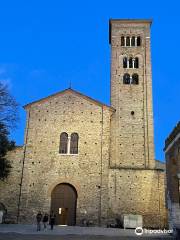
[(5, 145), (8, 120), (8, 107)]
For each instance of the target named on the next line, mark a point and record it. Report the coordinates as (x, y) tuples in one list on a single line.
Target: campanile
[(132, 139)]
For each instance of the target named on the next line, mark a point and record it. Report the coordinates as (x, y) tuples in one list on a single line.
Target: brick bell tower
[(132, 139)]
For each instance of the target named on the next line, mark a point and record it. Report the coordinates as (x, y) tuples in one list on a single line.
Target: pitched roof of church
[(71, 91)]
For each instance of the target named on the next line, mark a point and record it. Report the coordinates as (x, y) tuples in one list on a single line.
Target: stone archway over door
[(63, 203)]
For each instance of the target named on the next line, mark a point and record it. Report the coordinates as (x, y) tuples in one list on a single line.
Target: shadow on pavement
[(15, 236)]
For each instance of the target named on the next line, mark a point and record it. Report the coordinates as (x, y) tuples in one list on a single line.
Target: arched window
[(133, 41), (135, 78), (74, 143), (125, 62), (126, 78), (63, 148), (136, 62), (122, 41), (130, 62), (127, 41), (138, 41)]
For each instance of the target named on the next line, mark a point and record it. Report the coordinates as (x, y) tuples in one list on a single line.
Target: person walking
[(52, 219), (45, 220), (1, 216), (38, 219)]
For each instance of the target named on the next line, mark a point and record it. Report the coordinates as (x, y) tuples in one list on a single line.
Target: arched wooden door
[(63, 204)]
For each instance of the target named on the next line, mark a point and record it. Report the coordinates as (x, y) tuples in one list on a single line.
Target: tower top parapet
[(127, 21), (130, 20)]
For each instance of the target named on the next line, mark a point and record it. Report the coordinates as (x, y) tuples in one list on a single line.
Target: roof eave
[(27, 106)]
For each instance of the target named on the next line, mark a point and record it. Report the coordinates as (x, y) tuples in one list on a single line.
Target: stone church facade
[(172, 153), (86, 160)]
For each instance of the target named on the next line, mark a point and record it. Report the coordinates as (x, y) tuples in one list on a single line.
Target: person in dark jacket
[(52, 219), (45, 220), (38, 219)]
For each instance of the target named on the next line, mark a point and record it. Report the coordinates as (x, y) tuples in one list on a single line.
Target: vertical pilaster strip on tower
[(159, 203), (22, 171), (145, 109), (101, 168), (147, 116)]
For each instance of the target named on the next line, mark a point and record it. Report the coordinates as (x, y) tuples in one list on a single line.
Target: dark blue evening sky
[(46, 44)]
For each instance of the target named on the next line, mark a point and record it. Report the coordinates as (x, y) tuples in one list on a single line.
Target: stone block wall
[(138, 192), (45, 167), (10, 187), (172, 154)]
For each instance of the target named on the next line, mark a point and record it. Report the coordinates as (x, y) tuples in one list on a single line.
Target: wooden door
[(63, 203)]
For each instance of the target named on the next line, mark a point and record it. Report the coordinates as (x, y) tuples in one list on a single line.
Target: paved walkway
[(89, 232)]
